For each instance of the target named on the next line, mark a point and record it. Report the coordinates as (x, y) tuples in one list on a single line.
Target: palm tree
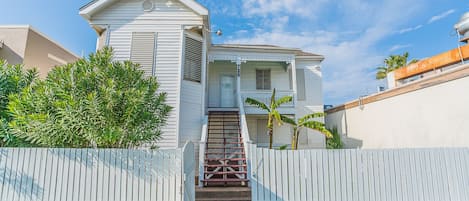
[(392, 63), (306, 121), (272, 111)]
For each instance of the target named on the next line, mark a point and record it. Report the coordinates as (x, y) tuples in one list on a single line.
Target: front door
[(227, 84)]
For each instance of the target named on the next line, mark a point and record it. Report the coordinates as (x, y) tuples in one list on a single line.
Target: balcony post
[(293, 74), (238, 78)]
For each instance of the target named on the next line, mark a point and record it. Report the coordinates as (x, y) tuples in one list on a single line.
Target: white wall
[(436, 116), (167, 20)]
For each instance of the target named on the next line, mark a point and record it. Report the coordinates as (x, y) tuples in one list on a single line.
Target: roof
[(296, 51), (95, 6)]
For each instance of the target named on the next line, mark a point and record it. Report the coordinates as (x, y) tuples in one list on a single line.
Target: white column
[(238, 78), (391, 81), (293, 74)]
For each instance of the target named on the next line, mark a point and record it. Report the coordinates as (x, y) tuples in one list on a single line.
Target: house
[(207, 84), (25, 45)]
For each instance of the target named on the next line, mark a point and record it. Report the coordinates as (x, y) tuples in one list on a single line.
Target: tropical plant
[(392, 63), (13, 78), (335, 142), (93, 102), (272, 112), (307, 121)]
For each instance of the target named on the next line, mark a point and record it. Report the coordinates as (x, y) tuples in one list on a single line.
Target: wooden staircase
[(225, 159)]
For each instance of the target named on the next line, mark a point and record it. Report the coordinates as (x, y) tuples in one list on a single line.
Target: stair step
[(224, 165), (224, 153), (225, 159), (225, 180), (223, 193), (225, 138), (225, 142), (208, 147), (221, 173)]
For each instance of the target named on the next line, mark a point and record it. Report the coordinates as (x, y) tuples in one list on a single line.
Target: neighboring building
[(171, 40), (430, 110), (25, 45)]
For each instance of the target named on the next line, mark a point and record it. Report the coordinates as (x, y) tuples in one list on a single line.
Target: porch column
[(238, 79), (293, 74)]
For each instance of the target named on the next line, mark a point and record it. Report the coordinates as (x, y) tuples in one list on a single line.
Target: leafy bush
[(93, 102), (13, 78), (336, 141)]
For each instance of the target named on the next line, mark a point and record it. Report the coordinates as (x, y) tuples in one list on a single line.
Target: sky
[(355, 36)]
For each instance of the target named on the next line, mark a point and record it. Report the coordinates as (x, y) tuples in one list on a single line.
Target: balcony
[(264, 96)]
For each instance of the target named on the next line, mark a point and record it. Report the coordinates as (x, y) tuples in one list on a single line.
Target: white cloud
[(349, 43), (398, 47), (440, 16), (409, 29)]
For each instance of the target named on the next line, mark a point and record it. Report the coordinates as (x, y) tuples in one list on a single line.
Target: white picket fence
[(360, 175), (35, 174)]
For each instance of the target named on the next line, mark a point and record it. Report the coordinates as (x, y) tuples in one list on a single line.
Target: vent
[(462, 27), (147, 5)]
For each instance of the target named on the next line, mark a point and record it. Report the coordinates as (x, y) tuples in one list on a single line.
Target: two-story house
[(207, 84)]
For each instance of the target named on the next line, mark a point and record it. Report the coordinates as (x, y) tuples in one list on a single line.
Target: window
[(143, 51), (300, 84), (263, 79), (192, 59)]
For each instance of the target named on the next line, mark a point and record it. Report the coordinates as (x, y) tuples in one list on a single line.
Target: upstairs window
[(300, 84), (263, 79), (143, 50), (192, 59)]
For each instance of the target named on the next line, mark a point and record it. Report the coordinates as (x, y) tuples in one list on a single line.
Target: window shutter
[(192, 59), (143, 51), (300, 84)]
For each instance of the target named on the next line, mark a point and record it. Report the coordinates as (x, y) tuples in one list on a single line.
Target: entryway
[(228, 91)]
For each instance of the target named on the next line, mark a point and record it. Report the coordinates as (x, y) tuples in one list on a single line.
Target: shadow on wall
[(10, 55)]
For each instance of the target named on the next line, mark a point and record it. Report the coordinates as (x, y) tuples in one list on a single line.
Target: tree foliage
[(93, 102), (272, 112), (13, 78), (335, 142), (307, 121), (392, 63)]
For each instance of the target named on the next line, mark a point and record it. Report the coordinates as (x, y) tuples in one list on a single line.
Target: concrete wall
[(43, 54), (24, 45), (14, 44), (436, 114)]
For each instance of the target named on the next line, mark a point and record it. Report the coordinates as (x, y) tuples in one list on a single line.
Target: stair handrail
[(245, 135), (202, 144)]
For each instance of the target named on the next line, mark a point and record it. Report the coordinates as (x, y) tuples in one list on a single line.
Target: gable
[(97, 6)]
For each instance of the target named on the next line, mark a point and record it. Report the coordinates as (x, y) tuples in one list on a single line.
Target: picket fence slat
[(343, 175), (39, 174)]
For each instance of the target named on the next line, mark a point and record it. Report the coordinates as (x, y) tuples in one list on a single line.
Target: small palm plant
[(306, 121), (272, 112), (392, 63)]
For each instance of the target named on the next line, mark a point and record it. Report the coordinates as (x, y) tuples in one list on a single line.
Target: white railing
[(244, 132), (264, 96), (39, 174), (202, 144)]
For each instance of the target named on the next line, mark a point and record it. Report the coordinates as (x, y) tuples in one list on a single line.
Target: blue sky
[(354, 35)]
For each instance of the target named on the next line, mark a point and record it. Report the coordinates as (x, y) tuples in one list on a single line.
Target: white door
[(227, 98)]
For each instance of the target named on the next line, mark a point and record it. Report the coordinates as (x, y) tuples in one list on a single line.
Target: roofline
[(272, 49), (31, 28), (94, 6)]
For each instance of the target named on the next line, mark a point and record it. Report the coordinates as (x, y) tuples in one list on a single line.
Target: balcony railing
[(264, 96)]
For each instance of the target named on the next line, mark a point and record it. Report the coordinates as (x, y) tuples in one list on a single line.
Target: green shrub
[(336, 141), (13, 79), (93, 102)]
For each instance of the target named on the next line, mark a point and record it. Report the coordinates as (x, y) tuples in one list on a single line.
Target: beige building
[(25, 45)]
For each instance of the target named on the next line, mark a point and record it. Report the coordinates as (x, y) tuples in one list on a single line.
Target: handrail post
[(202, 144)]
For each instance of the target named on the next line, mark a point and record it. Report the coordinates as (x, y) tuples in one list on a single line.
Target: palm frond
[(277, 117), (314, 125), (282, 100), (310, 116), (257, 103), (288, 120)]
